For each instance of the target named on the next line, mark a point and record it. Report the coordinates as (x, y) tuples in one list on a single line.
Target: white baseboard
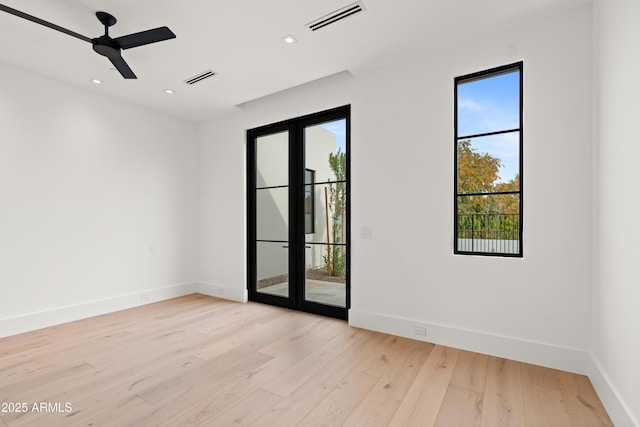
[(42, 319), (211, 289), (616, 407), (551, 356)]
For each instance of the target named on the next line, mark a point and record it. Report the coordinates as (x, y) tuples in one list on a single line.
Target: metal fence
[(499, 233)]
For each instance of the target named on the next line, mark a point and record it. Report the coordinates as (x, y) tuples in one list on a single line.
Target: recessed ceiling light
[(96, 81), (169, 91), (289, 39)]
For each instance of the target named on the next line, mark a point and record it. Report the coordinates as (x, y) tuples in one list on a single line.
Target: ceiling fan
[(105, 45)]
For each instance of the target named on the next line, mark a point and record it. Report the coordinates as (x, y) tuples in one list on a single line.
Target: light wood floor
[(199, 360)]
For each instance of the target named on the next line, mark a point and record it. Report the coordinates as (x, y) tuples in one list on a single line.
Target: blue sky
[(491, 105), (339, 128)]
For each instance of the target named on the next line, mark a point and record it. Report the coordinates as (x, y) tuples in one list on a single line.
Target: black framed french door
[(298, 226)]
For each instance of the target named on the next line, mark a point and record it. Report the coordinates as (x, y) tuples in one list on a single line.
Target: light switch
[(366, 232)]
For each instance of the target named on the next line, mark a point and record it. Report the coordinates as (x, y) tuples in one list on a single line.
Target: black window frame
[(481, 75), (312, 204)]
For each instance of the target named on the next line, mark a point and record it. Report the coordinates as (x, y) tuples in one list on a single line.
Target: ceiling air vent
[(336, 16), (200, 77)]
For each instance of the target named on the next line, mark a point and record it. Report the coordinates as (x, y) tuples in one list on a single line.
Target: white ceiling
[(241, 41)]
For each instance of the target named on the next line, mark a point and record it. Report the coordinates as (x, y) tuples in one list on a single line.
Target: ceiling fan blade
[(122, 66), (43, 22), (145, 37)]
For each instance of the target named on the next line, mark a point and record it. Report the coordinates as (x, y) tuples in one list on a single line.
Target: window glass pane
[(489, 223), (489, 164), (490, 104)]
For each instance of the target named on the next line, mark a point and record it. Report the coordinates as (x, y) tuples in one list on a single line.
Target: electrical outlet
[(419, 330)]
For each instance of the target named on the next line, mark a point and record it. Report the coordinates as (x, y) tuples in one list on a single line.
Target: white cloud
[(470, 105)]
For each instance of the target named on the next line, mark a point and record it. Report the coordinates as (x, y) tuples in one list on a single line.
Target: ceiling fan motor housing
[(105, 46)]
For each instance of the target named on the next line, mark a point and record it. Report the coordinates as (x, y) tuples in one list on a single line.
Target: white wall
[(537, 308), (616, 298), (87, 186)]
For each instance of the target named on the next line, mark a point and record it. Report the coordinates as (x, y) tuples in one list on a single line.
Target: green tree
[(507, 203), (336, 259), (481, 215), (477, 173)]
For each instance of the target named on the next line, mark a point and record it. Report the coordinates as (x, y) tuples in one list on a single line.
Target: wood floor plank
[(42, 383), (246, 412), (544, 406), (131, 410), (537, 375), (199, 360), (471, 371), (217, 373), (381, 403), (582, 402), (460, 407), (297, 373), (422, 402), (197, 401), (334, 409), (304, 399), (503, 404)]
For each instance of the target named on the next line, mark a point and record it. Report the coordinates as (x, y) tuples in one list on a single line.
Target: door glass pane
[(326, 274), (272, 268), (272, 214), (329, 218), (325, 250), (272, 160), (325, 149)]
